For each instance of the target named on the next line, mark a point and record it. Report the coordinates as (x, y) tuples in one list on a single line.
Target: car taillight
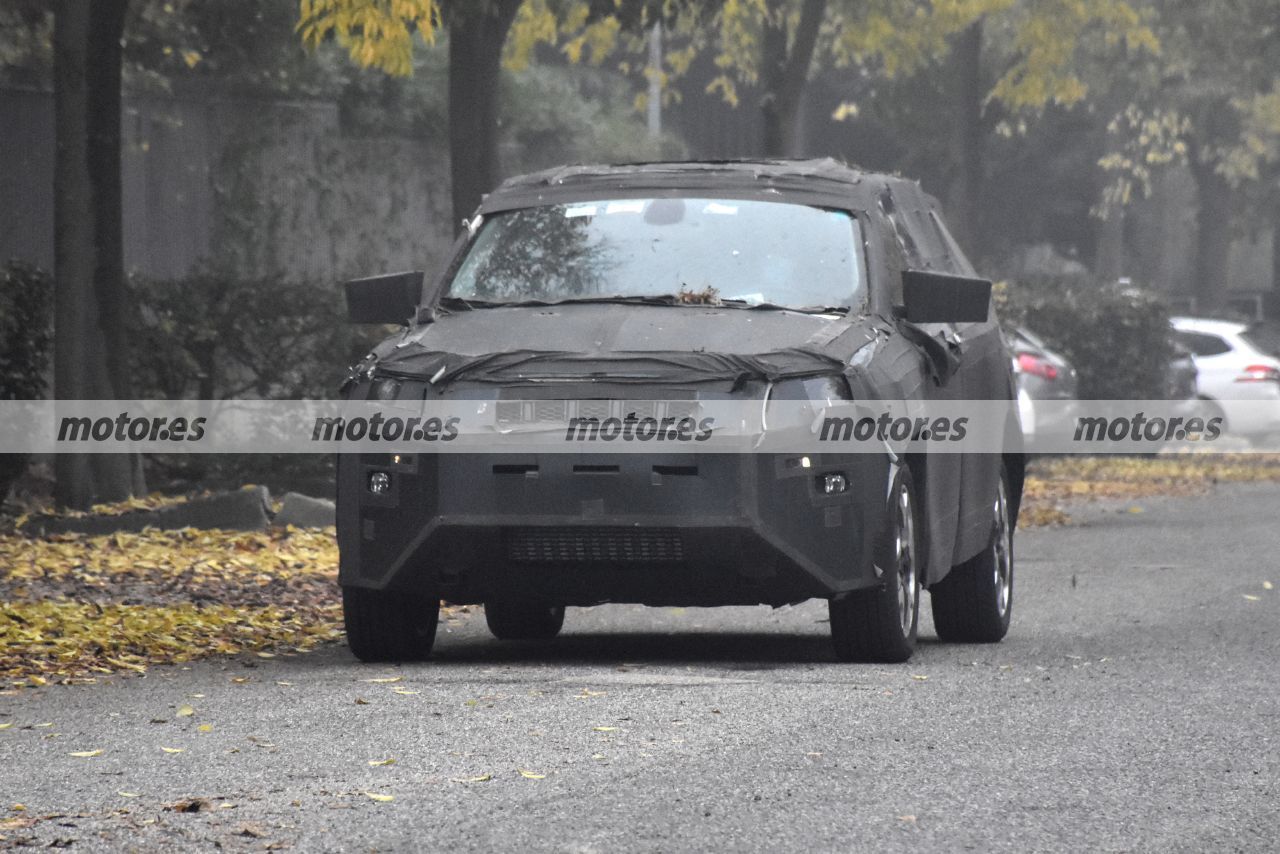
[(1260, 374), (1030, 363)]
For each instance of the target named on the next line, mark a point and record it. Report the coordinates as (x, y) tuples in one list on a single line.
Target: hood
[(620, 342)]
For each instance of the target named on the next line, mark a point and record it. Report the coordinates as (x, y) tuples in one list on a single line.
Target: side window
[(959, 261), (1201, 344), (894, 259), (905, 245)]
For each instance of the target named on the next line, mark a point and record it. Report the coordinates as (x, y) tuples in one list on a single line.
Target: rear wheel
[(974, 602), (880, 624), (384, 625), (511, 619)]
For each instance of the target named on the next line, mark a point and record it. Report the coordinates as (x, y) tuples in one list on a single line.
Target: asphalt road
[(1133, 707)]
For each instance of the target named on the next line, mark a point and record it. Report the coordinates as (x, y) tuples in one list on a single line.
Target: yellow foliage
[(376, 33), (69, 640), (73, 606)]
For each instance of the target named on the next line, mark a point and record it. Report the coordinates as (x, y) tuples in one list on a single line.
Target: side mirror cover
[(941, 298), (392, 298)]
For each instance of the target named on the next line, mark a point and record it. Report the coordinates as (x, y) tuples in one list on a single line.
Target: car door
[(1216, 362)]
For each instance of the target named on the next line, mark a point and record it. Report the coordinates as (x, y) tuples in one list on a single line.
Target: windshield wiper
[(468, 303), (773, 306)]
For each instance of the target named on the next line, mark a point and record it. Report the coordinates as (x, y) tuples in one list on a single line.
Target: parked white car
[(1239, 368)]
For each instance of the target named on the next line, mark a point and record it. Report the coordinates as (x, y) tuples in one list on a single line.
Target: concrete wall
[(265, 188)]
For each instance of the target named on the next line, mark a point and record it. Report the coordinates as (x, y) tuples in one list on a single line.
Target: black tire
[(389, 625), (879, 624), (513, 619), (974, 603)]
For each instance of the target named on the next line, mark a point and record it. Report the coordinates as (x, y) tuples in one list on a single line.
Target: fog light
[(834, 484), (379, 483)]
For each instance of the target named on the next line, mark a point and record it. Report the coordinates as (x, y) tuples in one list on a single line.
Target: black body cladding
[(682, 529)]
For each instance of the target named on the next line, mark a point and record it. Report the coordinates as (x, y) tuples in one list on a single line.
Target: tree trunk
[(477, 33), (89, 342), (1109, 258), (784, 71), (1213, 235), (75, 309), (117, 476), (964, 202), (1275, 248)]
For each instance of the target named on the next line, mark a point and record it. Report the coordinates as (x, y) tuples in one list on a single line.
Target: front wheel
[(385, 625), (880, 624), (974, 602)]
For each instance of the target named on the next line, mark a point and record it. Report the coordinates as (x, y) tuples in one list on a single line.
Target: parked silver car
[(1042, 375)]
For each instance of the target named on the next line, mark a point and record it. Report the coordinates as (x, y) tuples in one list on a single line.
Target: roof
[(825, 183), (1208, 325)]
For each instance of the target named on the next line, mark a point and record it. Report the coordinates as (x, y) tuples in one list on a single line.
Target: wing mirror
[(941, 298), (392, 298)]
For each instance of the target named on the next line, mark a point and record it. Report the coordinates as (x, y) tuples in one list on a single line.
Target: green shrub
[(215, 337), (1116, 337), (26, 337), (212, 337), (26, 331)]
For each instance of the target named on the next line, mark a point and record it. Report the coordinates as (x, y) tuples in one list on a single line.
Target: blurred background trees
[(197, 186)]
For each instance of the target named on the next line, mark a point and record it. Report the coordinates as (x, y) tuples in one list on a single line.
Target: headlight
[(795, 403), (386, 389)]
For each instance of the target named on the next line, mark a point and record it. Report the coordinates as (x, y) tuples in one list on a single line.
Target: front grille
[(545, 412), (594, 545)]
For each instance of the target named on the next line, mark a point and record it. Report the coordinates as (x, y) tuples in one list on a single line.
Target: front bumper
[(583, 529)]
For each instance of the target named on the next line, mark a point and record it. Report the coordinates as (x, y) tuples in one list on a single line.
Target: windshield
[(703, 251)]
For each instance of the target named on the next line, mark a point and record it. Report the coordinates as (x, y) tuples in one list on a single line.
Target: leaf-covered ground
[(74, 608), (1054, 484)]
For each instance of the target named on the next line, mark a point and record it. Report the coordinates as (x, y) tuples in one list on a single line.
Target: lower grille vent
[(594, 545)]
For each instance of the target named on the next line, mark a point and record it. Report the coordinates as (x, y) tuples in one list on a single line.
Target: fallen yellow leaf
[(1252, 598), (531, 775), (404, 691), (605, 729), (85, 754), (6, 726), (205, 728), (380, 798), (919, 677), (174, 749), (386, 680), (483, 778), (378, 763), (185, 711), (125, 794), (1267, 585)]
